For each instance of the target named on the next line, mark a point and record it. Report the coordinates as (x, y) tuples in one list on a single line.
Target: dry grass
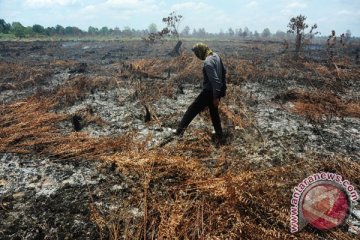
[(22, 76), (30, 127), (186, 67), (185, 201), (78, 87), (63, 63), (317, 106), (182, 197)]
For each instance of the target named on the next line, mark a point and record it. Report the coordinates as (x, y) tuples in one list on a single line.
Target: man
[(214, 88)]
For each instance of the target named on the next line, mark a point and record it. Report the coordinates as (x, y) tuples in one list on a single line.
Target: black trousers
[(205, 99)]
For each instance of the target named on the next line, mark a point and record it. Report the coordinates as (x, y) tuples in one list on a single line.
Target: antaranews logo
[(322, 200)]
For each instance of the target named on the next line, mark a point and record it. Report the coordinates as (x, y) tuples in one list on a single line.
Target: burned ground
[(86, 153)]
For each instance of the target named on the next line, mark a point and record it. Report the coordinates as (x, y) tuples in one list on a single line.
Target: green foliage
[(280, 34), (4, 27), (186, 31), (117, 31), (152, 28), (50, 31), (72, 31), (127, 32), (60, 30), (246, 32), (104, 31), (297, 25), (266, 33), (201, 32), (7, 36), (68, 30), (231, 32), (38, 29), (348, 34), (18, 30), (93, 30)]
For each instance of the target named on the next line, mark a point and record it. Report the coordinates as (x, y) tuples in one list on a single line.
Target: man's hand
[(216, 102)]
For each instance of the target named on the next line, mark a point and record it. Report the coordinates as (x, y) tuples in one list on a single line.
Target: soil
[(48, 195)]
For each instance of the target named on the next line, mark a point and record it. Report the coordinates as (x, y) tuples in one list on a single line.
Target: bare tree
[(171, 30), (173, 22), (345, 38), (333, 47), (331, 41), (297, 25)]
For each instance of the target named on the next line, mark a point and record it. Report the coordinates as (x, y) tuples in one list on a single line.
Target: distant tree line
[(21, 31), (232, 33)]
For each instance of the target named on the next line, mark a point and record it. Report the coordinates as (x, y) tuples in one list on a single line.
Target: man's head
[(201, 50)]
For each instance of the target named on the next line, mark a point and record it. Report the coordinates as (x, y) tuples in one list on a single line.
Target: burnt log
[(79, 68), (147, 117), (76, 121)]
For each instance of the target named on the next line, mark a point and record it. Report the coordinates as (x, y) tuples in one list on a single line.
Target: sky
[(213, 15)]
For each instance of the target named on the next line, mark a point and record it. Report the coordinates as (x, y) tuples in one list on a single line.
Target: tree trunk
[(176, 51), (298, 44)]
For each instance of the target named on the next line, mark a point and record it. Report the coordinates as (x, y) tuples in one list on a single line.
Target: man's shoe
[(219, 139), (179, 132)]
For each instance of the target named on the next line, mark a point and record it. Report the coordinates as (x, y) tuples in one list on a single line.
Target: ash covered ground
[(87, 153)]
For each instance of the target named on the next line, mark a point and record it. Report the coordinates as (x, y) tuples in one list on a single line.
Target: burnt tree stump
[(76, 121), (177, 49)]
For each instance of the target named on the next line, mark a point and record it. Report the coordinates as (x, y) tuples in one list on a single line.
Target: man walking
[(214, 88)]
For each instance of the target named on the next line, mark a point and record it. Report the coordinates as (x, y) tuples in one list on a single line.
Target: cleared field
[(80, 160)]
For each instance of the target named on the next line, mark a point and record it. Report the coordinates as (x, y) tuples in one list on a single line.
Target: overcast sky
[(213, 15)]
